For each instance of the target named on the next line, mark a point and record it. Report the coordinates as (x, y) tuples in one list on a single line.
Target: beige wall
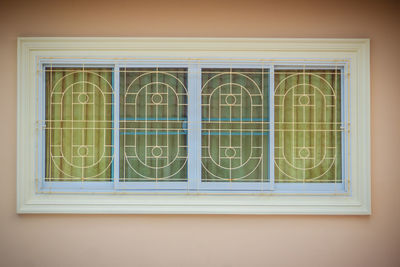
[(179, 240)]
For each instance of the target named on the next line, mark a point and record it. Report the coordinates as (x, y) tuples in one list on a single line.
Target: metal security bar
[(153, 124), (235, 125), (78, 124), (193, 127), (308, 126)]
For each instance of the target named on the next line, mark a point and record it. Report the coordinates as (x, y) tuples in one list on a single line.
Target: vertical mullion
[(41, 124), (194, 127), (271, 159), (116, 126), (344, 125)]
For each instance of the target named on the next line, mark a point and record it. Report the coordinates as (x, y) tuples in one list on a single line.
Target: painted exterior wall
[(198, 240)]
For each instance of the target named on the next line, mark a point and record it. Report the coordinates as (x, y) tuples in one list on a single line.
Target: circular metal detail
[(230, 100), (157, 98), (156, 151), (304, 100), (304, 153), (230, 152)]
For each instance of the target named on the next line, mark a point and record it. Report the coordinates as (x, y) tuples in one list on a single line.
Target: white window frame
[(355, 52)]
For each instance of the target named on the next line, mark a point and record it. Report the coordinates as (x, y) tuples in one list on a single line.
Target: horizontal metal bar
[(154, 133), (153, 119), (231, 133)]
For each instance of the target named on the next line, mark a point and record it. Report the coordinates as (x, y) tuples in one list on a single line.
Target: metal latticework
[(153, 124), (131, 124), (78, 124), (308, 126), (234, 125)]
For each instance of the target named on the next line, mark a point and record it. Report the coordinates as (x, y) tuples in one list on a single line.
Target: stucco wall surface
[(199, 240)]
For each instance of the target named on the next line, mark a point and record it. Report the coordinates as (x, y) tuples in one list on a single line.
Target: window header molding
[(354, 53)]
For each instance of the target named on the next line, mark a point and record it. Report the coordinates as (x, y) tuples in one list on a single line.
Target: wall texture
[(159, 240)]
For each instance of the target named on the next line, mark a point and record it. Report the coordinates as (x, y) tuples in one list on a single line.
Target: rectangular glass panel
[(79, 104), (153, 124), (235, 123), (308, 133)]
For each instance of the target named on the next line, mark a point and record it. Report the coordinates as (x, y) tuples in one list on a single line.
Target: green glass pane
[(235, 125), (153, 124), (308, 133), (78, 124)]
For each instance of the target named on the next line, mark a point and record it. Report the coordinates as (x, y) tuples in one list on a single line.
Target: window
[(193, 126)]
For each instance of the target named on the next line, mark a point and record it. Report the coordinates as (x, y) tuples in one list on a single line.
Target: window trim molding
[(356, 51)]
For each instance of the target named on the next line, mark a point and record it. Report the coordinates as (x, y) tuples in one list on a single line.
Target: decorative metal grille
[(308, 132), (235, 125), (79, 124), (153, 125), (153, 128)]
